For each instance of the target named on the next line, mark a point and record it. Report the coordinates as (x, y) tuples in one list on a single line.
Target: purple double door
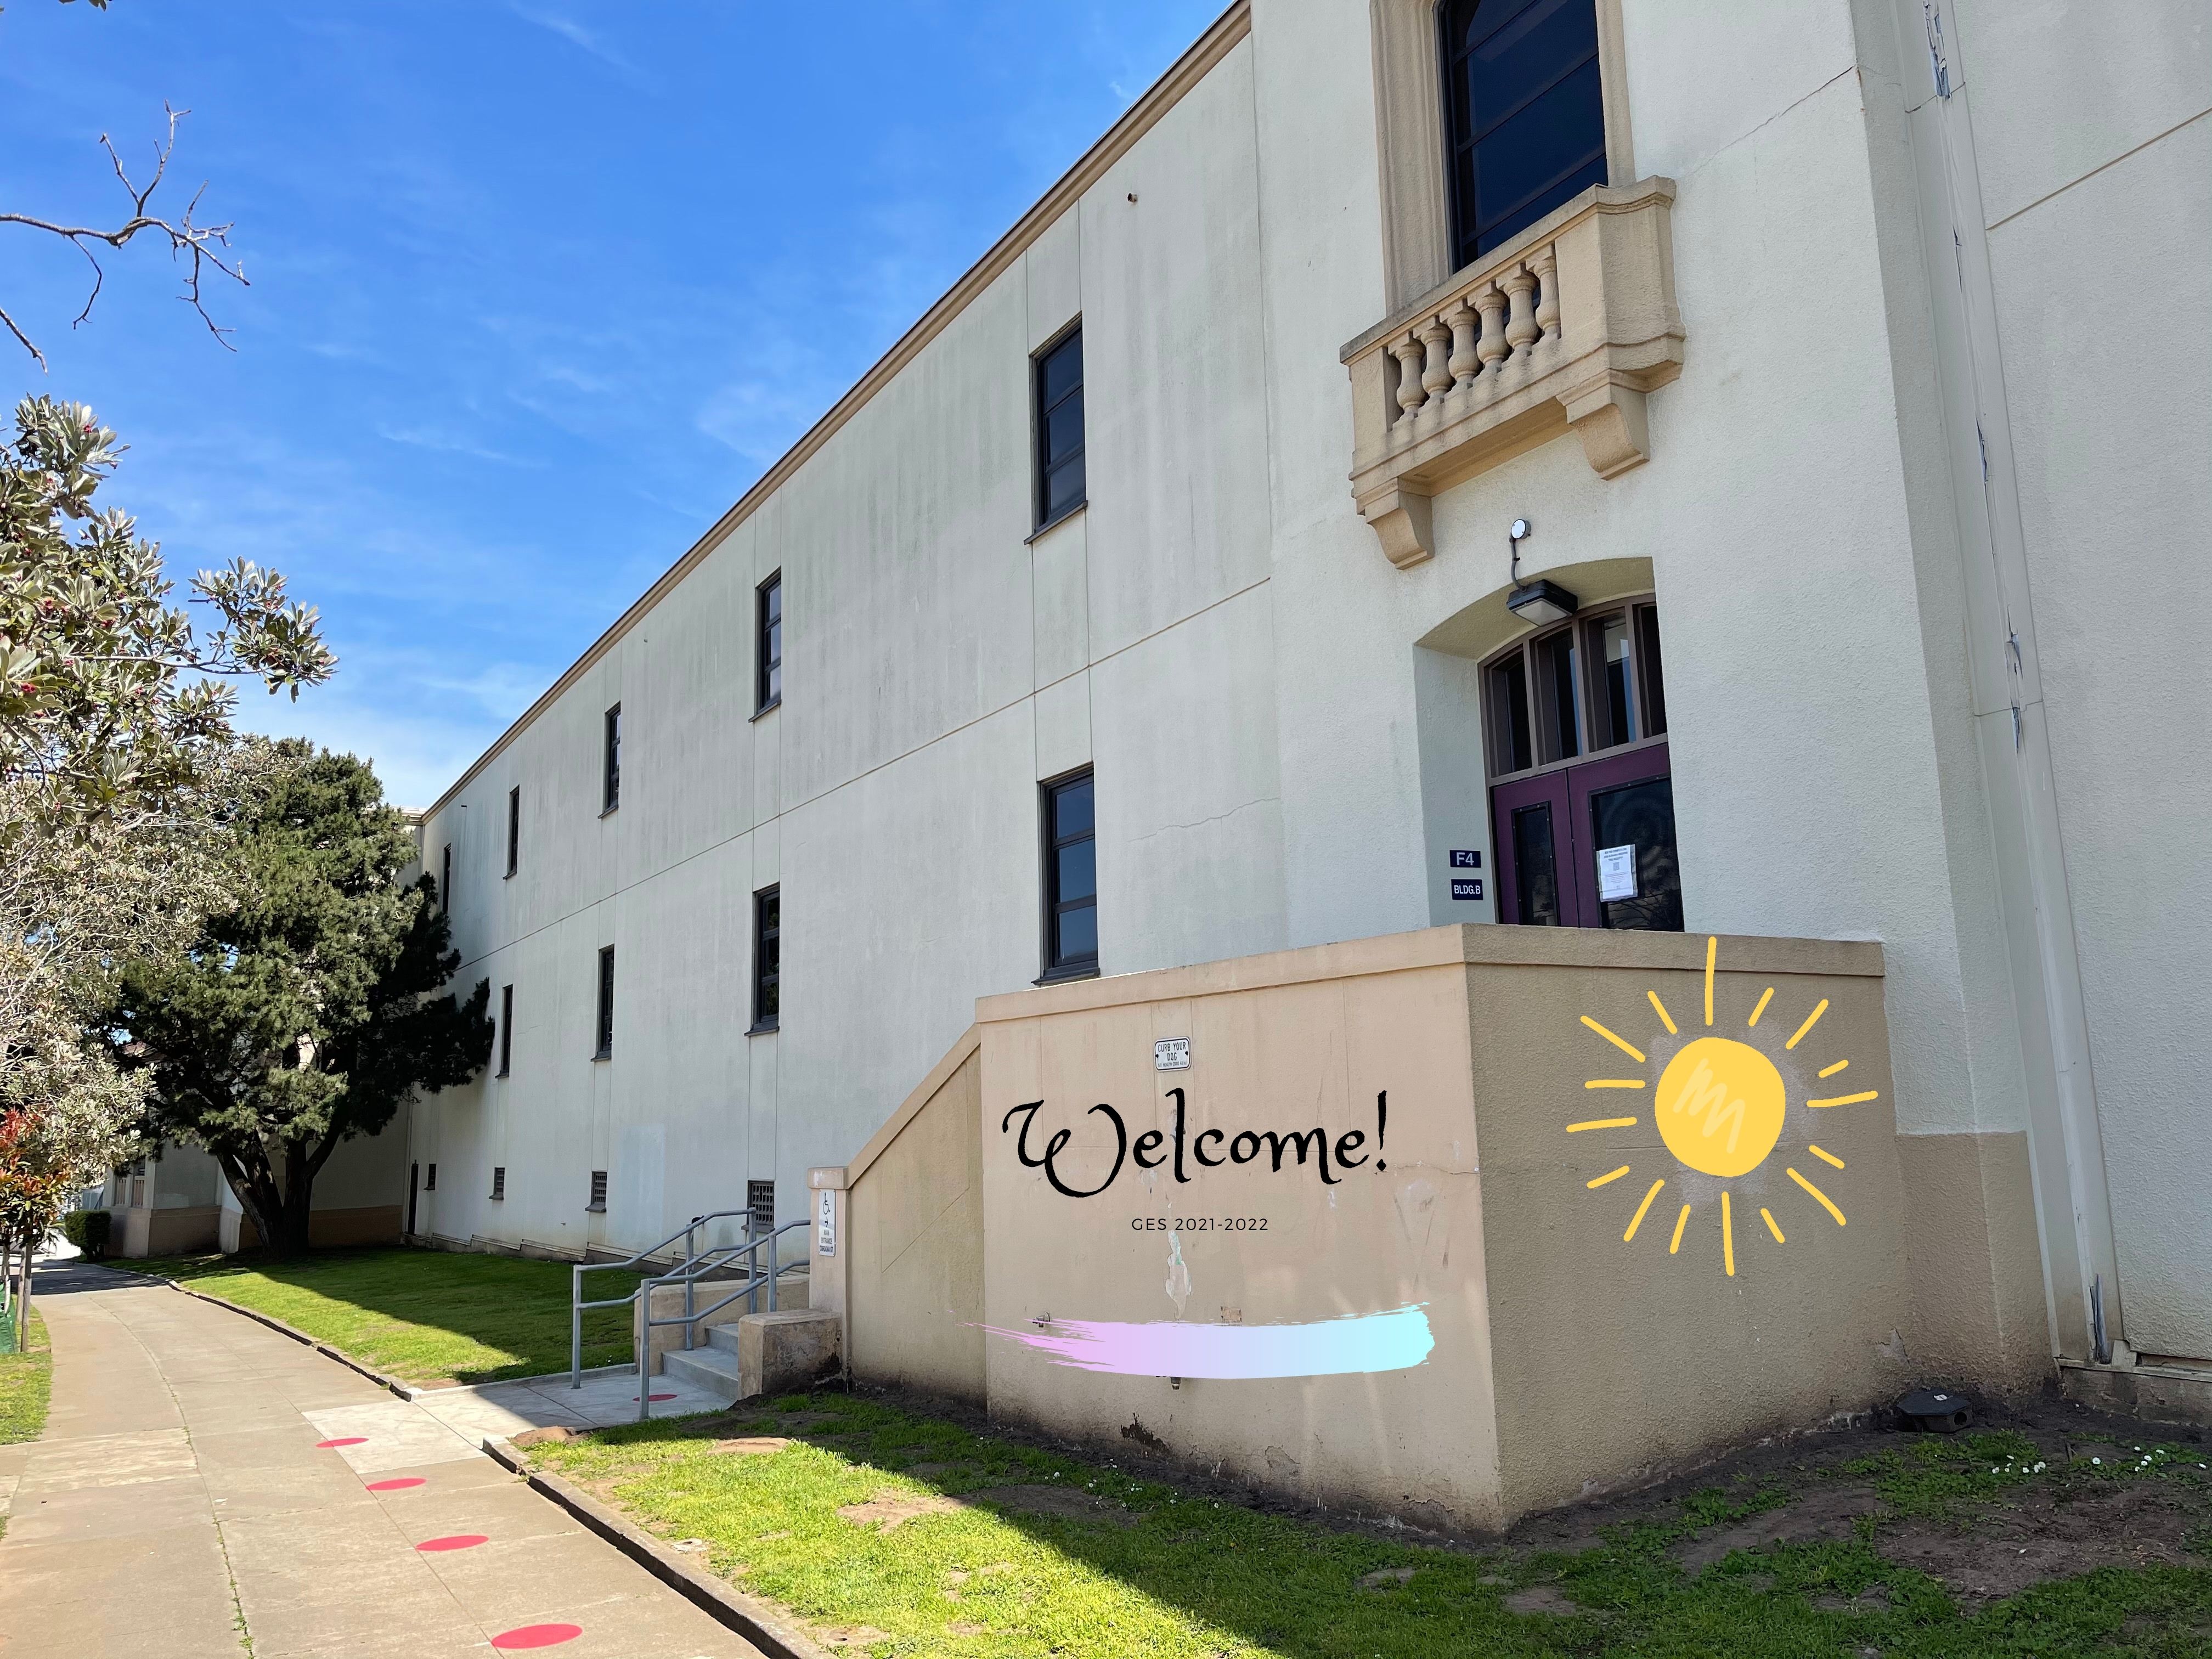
[(1550, 831)]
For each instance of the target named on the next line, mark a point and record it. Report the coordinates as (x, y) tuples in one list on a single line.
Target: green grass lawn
[(1047, 1554), (26, 1381), (423, 1316)]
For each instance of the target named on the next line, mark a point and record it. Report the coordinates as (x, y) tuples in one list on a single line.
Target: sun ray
[(1846, 1100), (1826, 1156), (1613, 1083), (1811, 1020), (1603, 1178), (1712, 952), (1628, 1049), (1830, 1070), (1826, 1203), (1765, 997), (1600, 1123), (1665, 1018), (1680, 1222), (1767, 1216), (1637, 1220), (1728, 1236)]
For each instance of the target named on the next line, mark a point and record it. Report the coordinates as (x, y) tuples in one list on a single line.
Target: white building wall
[(1283, 725), (2097, 221)]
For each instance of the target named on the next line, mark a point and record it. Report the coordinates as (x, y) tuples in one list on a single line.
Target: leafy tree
[(119, 777), (312, 1008), (108, 699)]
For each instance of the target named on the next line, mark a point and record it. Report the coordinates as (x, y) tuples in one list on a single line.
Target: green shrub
[(88, 1229)]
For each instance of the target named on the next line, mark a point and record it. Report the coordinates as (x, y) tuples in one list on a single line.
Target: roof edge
[(1210, 48)]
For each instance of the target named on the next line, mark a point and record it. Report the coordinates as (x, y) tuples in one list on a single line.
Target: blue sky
[(537, 288)]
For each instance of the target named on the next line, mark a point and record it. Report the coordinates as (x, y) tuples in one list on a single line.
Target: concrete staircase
[(712, 1368), (760, 1353)]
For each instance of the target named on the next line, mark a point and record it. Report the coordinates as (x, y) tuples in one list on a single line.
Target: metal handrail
[(688, 1275), (689, 1233)]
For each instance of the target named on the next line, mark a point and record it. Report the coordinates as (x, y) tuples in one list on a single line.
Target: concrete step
[(711, 1369)]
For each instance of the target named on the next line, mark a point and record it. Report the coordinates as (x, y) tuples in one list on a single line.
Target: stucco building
[(1157, 600)]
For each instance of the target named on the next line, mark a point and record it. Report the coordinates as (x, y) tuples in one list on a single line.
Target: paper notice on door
[(1616, 872)]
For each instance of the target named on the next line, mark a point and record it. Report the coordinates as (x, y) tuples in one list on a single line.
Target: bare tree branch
[(204, 245)]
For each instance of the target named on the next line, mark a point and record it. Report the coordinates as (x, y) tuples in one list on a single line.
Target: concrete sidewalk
[(203, 1481)]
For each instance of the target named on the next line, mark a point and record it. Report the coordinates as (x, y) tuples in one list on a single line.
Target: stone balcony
[(1569, 325)]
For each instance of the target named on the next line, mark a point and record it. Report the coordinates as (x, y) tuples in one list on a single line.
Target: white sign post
[(825, 1223)]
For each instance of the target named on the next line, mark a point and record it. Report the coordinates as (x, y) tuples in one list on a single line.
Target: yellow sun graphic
[(1721, 1106)]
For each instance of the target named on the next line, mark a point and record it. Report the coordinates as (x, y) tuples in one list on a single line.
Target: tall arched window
[(1524, 114)]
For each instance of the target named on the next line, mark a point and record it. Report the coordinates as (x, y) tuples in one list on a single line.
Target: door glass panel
[(1641, 815), (1535, 867), (1561, 733), (1615, 717), (1509, 702)]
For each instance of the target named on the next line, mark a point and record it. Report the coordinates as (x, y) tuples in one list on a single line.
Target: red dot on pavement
[(342, 1440), (400, 1483), (536, 1636), (658, 1396), (459, 1541)]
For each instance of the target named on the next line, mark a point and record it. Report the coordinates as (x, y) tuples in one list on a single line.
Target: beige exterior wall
[(912, 1278), (1566, 1359)]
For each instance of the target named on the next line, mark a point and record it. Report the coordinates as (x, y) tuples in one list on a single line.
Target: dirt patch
[(2052, 1534), (796, 1422), (967, 1630), (934, 1471), (753, 1445), (553, 1437), (890, 1511), (1824, 1516), (1543, 1598), (1061, 1503)]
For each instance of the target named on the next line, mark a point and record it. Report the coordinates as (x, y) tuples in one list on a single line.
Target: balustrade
[(1566, 328)]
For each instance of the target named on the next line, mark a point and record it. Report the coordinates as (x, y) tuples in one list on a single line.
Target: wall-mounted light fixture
[(1539, 601)]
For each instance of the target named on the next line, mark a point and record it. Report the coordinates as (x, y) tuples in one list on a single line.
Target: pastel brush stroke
[(1349, 1344)]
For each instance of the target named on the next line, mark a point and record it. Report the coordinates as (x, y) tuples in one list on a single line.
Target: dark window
[(1071, 879), (606, 1022), (445, 879), (610, 783), (1525, 114), (430, 1178), (760, 1209), (499, 1181), (506, 1028), (1648, 670), (1559, 727), (598, 1203), (767, 957), (1059, 488), (1509, 707), (1589, 686), (768, 644), (514, 830)]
